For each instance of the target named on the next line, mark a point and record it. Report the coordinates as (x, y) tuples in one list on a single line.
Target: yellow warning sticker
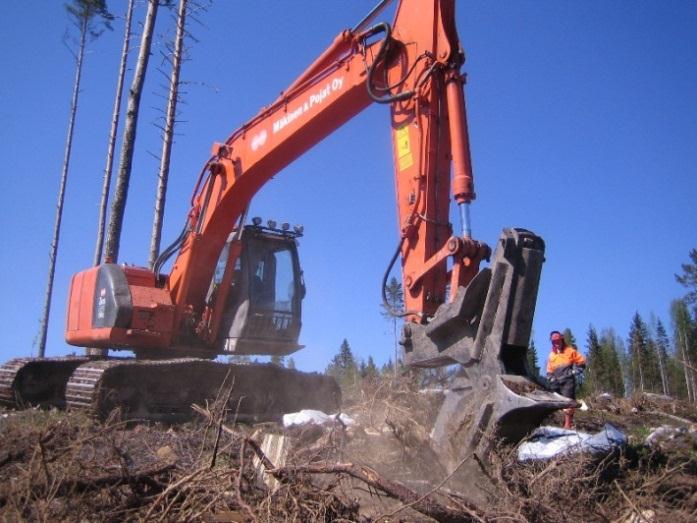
[(404, 156)]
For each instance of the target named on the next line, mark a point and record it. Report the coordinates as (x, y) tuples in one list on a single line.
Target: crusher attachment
[(486, 330)]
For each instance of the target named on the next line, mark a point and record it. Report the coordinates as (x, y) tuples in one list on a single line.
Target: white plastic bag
[(315, 417), (548, 442)]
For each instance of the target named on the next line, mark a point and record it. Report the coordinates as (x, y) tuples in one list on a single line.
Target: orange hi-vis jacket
[(564, 358)]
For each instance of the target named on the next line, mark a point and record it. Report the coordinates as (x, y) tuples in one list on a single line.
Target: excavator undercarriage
[(164, 390)]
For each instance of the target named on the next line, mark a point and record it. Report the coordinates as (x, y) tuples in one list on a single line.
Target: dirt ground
[(57, 466)]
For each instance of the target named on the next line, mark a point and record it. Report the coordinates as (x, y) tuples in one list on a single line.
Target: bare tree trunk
[(112, 136), (168, 135), (662, 369), (129, 136), (396, 346), (686, 361), (43, 329)]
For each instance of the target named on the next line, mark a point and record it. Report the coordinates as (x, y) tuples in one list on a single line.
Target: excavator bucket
[(486, 329)]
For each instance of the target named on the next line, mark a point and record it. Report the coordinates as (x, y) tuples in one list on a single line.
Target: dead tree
[(112, 136), (118, 205), (168, 134), (83, 13)]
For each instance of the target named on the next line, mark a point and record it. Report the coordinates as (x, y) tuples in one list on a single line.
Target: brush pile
[(64, 466)]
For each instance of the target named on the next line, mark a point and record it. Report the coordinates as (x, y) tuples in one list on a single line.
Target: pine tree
[(596, 375), (613, 354), (642, 353), (394, 302), (688, 278), (636, 345), (115, 117), (569, 338), (662, 345), (168, 132), (387, 368), (118, 204), (684, 330), (371, 369), (343, 366), (368, 371), (84, 14), (533, 362)]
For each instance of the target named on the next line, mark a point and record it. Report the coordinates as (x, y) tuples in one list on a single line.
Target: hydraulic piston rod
[(463, 184)]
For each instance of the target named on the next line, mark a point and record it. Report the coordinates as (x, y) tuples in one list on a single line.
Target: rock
[(166, 453), (646, 516), (669, 438), (658, 397)]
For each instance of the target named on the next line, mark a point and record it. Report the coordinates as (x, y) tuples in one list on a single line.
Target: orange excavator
[(236, 288)]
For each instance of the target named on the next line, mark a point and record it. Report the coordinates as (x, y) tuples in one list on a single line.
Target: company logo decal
[(259, 140)]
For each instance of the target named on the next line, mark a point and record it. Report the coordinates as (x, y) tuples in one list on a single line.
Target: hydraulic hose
[(169, 251), (381, 56), (385, 303)]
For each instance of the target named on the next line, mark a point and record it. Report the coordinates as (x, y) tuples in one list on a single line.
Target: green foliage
[(392, 304), (642, 357), (368, 370), (569, 338), (533, 362), (343, 367), (685, 339), (676, 375), (278, 360), (395, 298), (603, 373), (688, 278), (597, 367), (661, 345), (613, 355), (84, 13), (387, 367)]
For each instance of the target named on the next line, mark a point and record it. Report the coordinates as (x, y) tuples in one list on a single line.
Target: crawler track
[(164, 390), (36, 381)]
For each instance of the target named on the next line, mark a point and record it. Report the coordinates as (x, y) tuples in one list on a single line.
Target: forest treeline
[(651, 359)]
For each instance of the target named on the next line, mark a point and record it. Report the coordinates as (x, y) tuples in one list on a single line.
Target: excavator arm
[(412, 66)]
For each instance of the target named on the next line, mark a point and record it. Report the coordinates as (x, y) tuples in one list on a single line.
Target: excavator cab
[(262, 313)]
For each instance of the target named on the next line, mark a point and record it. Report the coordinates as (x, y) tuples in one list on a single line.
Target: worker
[(563, 365)]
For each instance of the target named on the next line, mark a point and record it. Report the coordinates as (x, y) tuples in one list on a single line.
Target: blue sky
[(583, 126)]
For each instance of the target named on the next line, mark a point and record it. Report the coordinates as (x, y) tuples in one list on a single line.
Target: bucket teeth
[(478, 410)]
